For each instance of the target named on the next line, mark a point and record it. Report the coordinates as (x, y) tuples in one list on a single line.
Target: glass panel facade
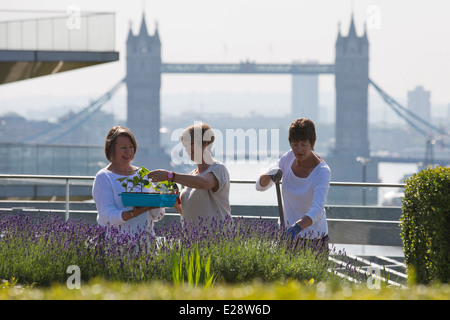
[(78, 32), (21, 158)]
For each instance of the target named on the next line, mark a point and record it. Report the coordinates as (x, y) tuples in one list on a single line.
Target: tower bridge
[(248, 68), (350, 69)]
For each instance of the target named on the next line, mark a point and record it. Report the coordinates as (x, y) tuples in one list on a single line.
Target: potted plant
[(164, 193)]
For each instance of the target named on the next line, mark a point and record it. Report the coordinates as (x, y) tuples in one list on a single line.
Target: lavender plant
[(240, 250)]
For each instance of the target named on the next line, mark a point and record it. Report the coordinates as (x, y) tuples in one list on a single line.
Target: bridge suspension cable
[(74, 121), (404, 112), (408, 116)]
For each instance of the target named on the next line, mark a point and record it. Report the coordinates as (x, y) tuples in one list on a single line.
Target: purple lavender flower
[(241, 249)]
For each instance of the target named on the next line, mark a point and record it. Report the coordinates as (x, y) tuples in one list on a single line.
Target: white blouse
[(204, 203), (106, 190), (303, 196)]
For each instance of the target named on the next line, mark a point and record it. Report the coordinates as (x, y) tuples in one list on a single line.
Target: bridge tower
[(143, 81), (352, 82), (350, 158)]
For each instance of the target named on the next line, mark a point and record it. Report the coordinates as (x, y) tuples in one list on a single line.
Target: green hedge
[(425, 225)]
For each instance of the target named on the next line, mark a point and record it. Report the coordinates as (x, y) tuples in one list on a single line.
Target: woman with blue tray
[(120, 148)]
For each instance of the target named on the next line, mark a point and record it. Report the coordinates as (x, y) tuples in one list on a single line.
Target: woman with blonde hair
[(207, 187)]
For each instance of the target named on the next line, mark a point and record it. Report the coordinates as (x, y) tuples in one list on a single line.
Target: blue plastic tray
[(130, 199)]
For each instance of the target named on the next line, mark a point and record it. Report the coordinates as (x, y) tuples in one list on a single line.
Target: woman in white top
[(120, 148), (306, 181), (207, 187)]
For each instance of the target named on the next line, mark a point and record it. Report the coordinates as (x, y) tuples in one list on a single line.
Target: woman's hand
[(177, 206), (274, 175), (298, 226), (158, 175), (304, 222), (135, 212)]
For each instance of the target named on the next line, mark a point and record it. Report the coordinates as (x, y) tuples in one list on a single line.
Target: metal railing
[(341, 184), (67, 179), (46, 177)]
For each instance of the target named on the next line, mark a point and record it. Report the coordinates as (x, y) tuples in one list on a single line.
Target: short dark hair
[(302, 129), (111, 137)]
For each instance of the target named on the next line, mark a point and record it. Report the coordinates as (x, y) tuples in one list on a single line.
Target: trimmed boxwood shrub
[(425, 225)]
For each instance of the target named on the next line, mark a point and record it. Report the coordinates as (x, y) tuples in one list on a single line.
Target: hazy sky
[(409, 43)]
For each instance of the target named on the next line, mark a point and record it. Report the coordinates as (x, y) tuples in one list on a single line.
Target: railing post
[(67, 199)]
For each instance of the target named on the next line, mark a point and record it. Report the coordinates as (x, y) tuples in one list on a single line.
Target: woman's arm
[(321, 187), (304, 222), (136, 211), (266, 180), (103, 195), (318, 203), (206, 181)]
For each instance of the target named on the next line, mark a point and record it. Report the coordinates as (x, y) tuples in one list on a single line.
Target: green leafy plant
[(138, 182), (196, 271), (166, 187), (425, 225), (8, 283)]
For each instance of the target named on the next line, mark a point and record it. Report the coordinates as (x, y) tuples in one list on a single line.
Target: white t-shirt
[(303, 196), (106, 190), (205, 202)]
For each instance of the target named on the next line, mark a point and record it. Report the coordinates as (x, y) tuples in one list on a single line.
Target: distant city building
[(305, 96), (92, 131), (15, 128), (419, 103)]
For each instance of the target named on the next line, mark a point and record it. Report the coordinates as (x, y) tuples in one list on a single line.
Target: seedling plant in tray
[(164, 193)]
